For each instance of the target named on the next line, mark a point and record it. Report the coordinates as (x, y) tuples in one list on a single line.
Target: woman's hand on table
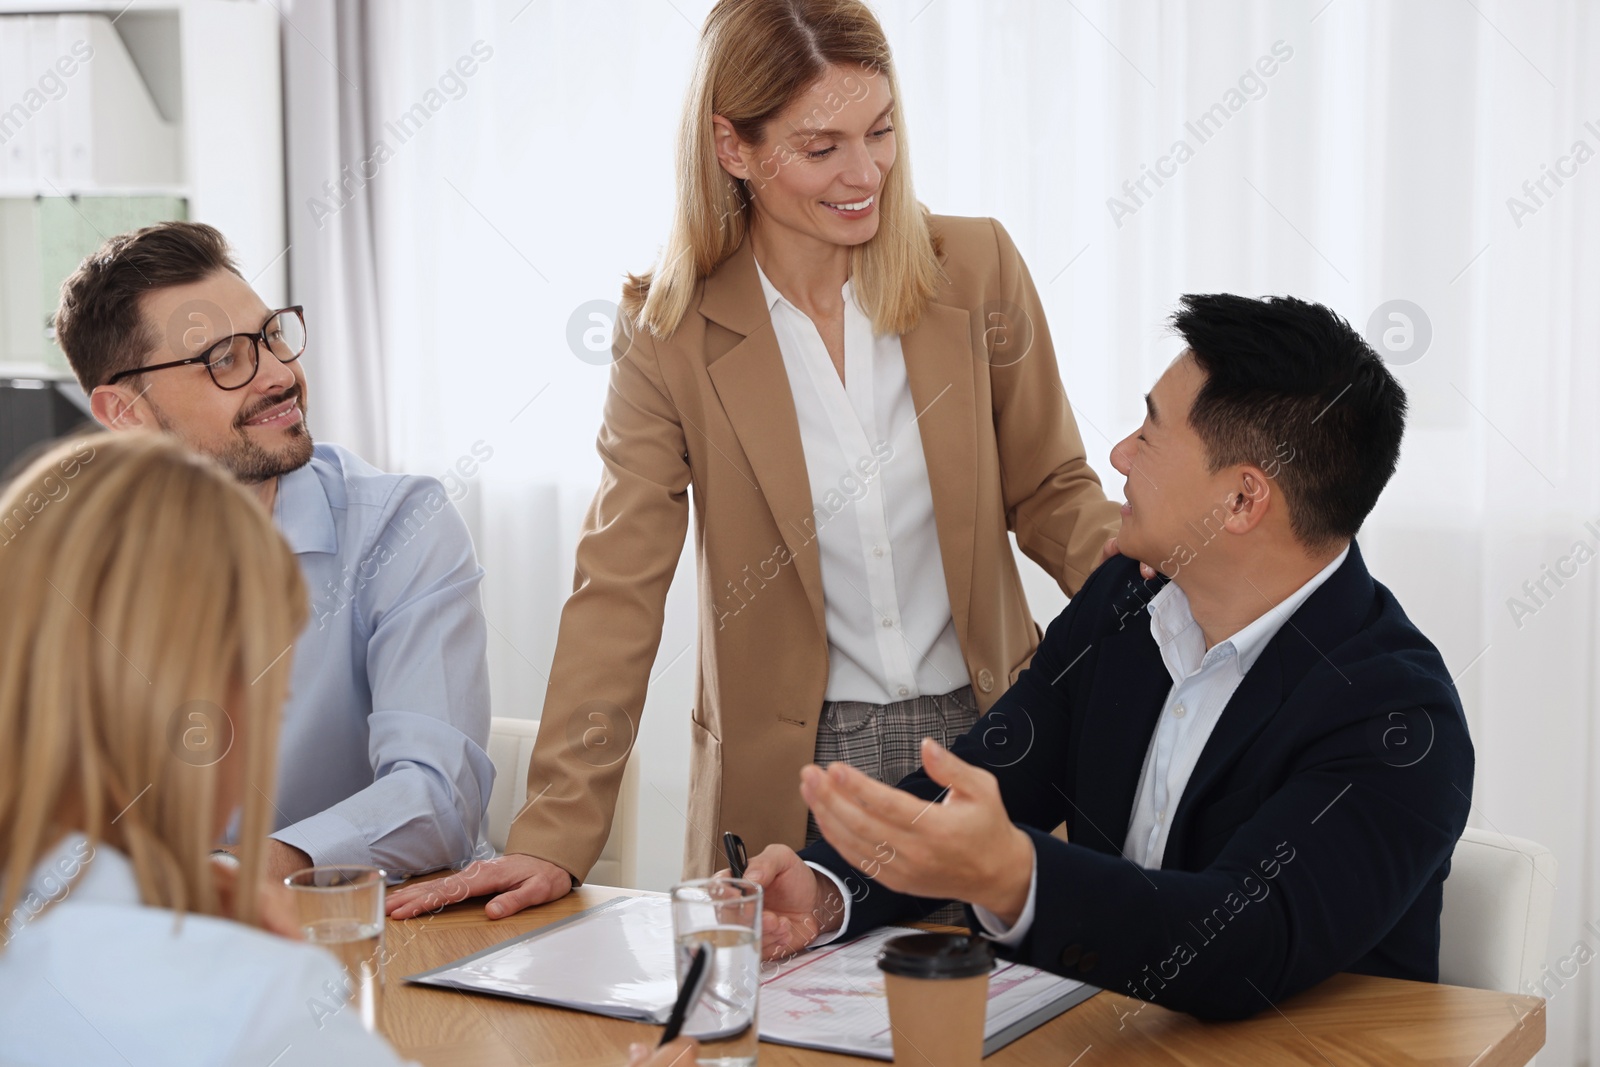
[(517, 881), (275, 910)]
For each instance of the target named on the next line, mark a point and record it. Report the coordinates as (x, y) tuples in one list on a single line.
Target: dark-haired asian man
[(1261, 765)]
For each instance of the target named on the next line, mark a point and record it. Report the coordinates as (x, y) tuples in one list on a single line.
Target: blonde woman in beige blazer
[(858, 397)]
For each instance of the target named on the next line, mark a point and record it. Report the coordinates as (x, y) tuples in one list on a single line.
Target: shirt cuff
[(844, 922), (996, 931), (329, 839)]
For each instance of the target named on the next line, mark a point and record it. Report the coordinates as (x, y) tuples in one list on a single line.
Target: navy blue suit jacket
[(1313, 837)]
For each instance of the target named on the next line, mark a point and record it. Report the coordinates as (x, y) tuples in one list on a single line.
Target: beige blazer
[(707, 416)]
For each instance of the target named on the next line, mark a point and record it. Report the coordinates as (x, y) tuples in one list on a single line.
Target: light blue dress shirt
[(97, 978), (382, 757)]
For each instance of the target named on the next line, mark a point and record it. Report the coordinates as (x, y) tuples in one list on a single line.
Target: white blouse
[(890, 633), (89, 975)]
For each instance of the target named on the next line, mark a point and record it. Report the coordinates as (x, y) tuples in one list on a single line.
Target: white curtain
[(332, 259), (1353, 152)]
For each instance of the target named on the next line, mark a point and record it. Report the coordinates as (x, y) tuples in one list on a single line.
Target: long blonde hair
[(149, 609), (755, 58)]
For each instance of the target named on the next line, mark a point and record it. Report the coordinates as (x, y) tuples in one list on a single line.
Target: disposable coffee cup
[(938, 986)]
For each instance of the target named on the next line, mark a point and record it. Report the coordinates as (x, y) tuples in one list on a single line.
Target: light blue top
[(382, 760), (98, 978)]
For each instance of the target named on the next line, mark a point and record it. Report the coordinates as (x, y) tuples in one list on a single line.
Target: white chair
[(510, 747), (1496, 919)]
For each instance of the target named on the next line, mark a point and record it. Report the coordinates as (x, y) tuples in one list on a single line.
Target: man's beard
[(248, 461), (252, 464)]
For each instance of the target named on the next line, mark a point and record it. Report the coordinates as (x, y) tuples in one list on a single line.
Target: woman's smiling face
[(821, 167)]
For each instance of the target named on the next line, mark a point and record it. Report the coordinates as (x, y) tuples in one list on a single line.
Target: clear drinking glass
[(723, 914), (341, 909)]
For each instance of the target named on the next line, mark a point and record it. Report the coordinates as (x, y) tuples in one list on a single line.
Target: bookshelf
[(117, 115)]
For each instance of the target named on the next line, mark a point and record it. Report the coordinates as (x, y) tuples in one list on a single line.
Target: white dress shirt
[(887, 609), (1203, 681), (98, 978)]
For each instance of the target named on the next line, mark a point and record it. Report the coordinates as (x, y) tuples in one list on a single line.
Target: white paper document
[(612, 960), (617, 960), (832, 998)]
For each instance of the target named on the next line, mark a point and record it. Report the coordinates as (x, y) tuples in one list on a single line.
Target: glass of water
[(724, 915), (341, 909)]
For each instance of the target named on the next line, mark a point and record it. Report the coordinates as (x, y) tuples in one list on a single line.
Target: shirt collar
[(770, 291), (303, 514), (1182, 646)]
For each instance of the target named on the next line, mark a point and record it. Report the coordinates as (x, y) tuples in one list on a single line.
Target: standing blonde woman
[(861, 399)]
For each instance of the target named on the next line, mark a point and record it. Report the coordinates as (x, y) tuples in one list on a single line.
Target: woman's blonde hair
[(149, 609), (755, 58)]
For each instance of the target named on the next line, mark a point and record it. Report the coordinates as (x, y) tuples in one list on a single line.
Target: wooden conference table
[(1347, 1021)]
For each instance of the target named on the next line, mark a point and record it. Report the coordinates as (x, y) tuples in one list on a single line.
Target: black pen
[(694, 983), (738, 858)]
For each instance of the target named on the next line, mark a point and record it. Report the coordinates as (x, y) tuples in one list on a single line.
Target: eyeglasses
[(233, 361)]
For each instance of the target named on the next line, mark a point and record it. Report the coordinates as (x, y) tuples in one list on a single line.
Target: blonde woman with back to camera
[(141, 584), (862, 400)]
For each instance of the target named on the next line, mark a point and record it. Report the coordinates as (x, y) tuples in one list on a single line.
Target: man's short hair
[(99, 323), (1291, 387)]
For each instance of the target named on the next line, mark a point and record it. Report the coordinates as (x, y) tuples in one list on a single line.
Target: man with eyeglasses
[(381, 759)]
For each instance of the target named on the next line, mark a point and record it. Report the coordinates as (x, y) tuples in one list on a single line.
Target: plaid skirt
[(883, 742)]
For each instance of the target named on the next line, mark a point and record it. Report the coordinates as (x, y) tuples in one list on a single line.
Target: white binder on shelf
[(74, 64), (46, 121), (16, 120)]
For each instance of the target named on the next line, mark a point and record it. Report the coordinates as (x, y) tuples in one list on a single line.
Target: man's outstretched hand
[(518, 882), (960, 846), (797, 903)]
